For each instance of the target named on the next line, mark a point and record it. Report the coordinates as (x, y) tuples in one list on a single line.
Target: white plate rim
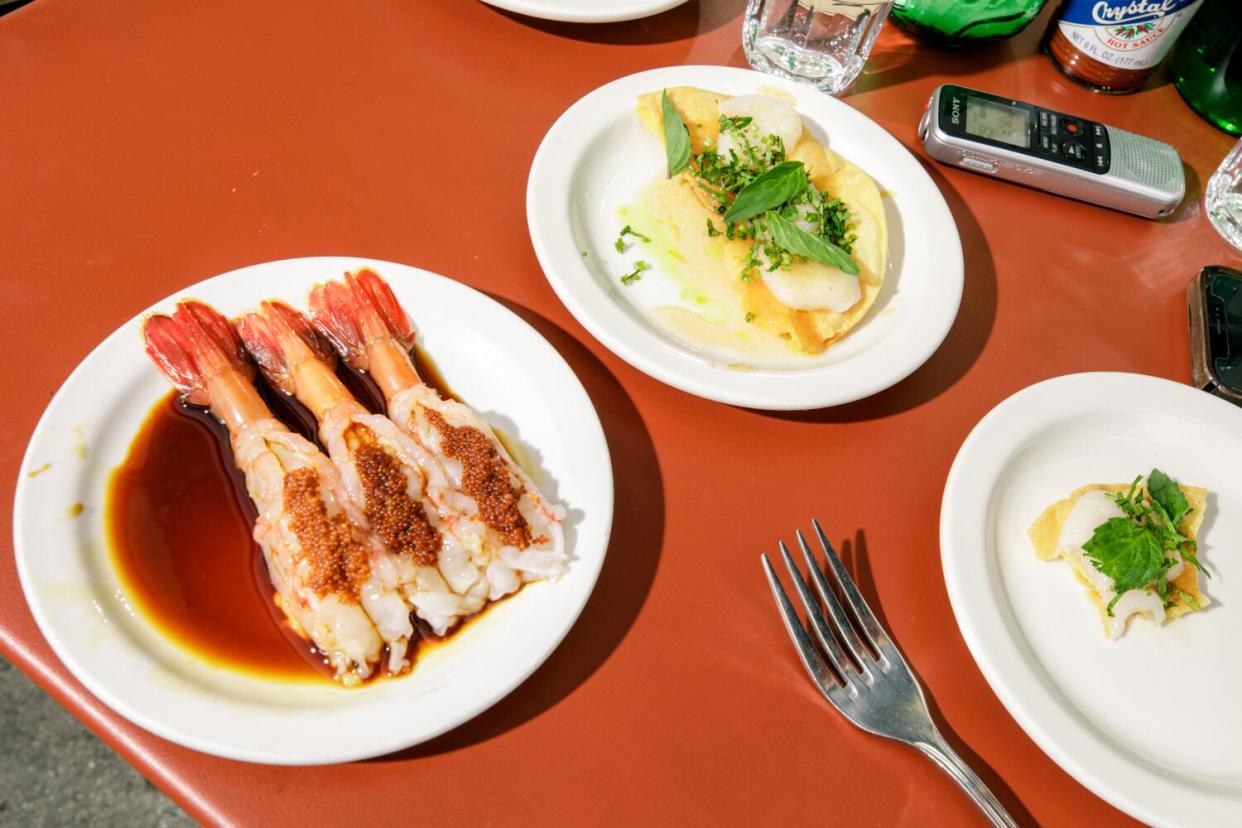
[(965, 561), (548, 202), (385, 742), (603, 11)]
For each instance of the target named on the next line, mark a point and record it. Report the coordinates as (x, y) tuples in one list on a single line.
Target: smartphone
[(1215, 300)]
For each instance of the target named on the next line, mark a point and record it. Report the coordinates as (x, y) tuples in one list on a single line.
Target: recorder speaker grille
[(1144, 162)]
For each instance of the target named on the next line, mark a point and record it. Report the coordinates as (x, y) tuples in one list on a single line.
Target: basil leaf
[(1169, 497), (768, 190), (793, 238), (1126, 552), (676, 136)]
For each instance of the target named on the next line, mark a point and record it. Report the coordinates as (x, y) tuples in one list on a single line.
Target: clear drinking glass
[(1223, 198), (820, 42)]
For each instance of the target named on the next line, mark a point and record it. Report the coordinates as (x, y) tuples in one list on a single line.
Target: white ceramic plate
[(1151, 722), (493, 359), (597, 157), (586, 11)]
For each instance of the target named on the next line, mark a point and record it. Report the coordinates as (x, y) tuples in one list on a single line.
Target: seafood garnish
[(1135, 547), (513, 534)]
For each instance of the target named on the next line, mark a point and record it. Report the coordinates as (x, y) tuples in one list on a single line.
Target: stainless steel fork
[(860, 672)]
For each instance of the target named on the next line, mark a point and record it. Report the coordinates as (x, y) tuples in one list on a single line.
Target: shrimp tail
[(357, 311), (379, 308), (192, 345), (276, 332)]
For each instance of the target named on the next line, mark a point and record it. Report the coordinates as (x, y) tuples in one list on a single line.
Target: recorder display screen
[(998, 122)]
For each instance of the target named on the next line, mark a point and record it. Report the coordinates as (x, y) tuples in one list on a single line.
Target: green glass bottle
[(964, 22), (1207, 64)]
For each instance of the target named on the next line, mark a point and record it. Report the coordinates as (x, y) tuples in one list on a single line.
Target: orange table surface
[(149, 144)]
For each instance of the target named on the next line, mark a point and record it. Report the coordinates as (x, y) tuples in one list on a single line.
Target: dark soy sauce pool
[(179, 529)]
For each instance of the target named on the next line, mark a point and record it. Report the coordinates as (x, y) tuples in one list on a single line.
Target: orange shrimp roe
[(399, 520), (339, 564), (485, 477)]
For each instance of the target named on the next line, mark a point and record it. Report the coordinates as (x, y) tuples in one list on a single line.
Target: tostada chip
[(1134, 547), (804, 229)]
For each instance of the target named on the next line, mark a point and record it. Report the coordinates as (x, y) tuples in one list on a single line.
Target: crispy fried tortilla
[(813, 330)]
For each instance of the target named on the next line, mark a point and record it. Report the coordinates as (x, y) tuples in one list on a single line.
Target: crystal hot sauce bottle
[(1114, 45)]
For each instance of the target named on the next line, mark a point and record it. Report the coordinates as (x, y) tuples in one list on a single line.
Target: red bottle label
[(1126, 34)]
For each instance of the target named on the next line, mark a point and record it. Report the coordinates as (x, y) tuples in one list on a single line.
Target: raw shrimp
[(512, 531), (386, 474), (320, 563)]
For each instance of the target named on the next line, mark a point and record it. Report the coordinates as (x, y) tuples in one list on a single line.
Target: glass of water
[(1223, 198), (821, 42)]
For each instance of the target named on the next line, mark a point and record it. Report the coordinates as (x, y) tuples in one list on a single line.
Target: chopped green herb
[(1187, 552), (635, 274), (676, 136), (833, 220), (712, 232), (750, 317), (1161, 508), (1187, 599), (1135, 550), (1162, 582), (751, 262), (728, 175), (736, 123), (629, 231)]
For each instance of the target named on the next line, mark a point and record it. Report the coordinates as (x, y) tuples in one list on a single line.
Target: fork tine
[(807, 654), (876, 635), (831, 647), (861, 656)]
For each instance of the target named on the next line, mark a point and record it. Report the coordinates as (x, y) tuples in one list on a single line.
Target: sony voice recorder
[(1063, 154)]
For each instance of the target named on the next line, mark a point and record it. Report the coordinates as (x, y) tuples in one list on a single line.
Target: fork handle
[(938, 750)]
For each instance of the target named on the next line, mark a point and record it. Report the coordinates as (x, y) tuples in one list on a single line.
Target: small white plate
[(597, 157), (1151, 722), (493, 359), (586, 11)]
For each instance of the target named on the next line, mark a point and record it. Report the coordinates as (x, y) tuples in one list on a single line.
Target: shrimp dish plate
[(744, 238), (1145, 716), (586, 11), (519, 386)]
